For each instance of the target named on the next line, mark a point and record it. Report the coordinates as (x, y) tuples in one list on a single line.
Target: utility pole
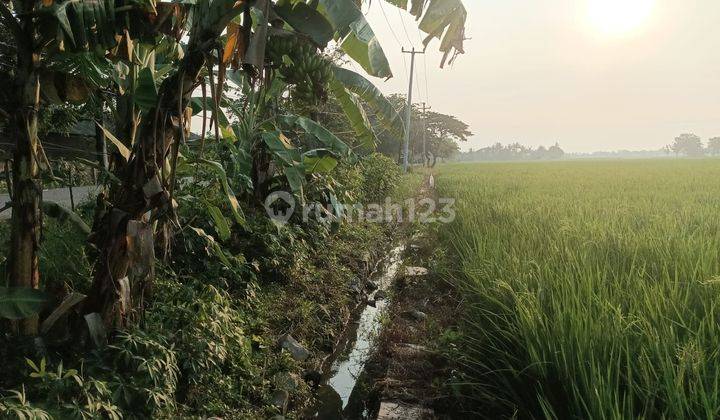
[(424, 131), (408, 117)]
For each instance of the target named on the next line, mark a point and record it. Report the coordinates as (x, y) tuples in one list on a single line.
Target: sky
[(590, 74)]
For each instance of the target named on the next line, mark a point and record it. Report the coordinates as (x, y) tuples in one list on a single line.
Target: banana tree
[(26, 220), (123, 232), (60, 51), (31, 81)]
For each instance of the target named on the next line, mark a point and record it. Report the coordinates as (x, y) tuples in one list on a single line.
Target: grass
[(590, 288)]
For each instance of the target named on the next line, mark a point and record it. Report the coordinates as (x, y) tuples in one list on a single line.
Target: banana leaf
[(222, 227), (328, 139), (222, 177), (355, 114), (441, 19), (355, 36), (363, 88), (20, 302), (319, 161), (306, 20)]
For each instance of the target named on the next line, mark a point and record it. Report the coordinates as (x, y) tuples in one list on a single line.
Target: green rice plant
[(590, 289)]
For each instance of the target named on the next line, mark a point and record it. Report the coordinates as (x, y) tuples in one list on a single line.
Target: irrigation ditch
[(382, 366)]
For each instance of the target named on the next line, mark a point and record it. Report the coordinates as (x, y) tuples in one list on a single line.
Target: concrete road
[(58, 195)]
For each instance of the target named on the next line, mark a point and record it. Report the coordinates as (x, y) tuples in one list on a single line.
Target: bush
[(381, 177)]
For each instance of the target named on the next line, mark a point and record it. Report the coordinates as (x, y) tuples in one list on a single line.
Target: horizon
[(590, 75)]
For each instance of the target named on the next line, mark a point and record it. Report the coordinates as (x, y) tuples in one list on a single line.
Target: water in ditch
[(343, 394)]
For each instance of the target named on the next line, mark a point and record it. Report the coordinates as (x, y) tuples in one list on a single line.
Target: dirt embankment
[(411, 374)]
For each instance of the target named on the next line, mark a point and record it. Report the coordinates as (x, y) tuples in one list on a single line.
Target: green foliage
[(589, 288), (20, 303), (192, 354), (441, 19), (143, 370), (305, 19), (60, 393), (381, 177), (355, 114), (355, 36), (16, 405), (370, 94), (85, 24)]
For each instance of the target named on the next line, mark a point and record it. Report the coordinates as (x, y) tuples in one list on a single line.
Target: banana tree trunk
[(26, 221), (123, 232)]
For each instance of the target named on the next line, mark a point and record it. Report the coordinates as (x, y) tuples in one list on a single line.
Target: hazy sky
[(590, 74)]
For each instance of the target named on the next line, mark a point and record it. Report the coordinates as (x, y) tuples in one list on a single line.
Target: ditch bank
[(387, 363)]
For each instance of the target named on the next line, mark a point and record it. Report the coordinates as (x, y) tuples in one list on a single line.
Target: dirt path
[(411, 370)]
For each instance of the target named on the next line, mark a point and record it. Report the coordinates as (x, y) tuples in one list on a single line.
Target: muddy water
[(343, 392)]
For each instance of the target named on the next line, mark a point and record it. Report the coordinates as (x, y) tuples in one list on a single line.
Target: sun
[(619, 17)]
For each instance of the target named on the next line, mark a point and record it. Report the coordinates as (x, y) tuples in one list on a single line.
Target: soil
[(411, 373)]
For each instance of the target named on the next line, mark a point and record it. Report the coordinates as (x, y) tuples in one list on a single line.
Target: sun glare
[(619, 17)]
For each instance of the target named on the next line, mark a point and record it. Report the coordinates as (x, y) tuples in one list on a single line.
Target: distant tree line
[(433, 135), (513, 151), (691, 145)]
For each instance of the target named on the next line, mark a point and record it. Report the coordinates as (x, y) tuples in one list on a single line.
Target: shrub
[(381, 177)]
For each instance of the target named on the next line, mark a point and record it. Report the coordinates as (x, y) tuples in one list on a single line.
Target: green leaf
[(398, 3), (20, 302), (330, 140), (319, 161), (146, 93), (97, 71), (32, 365), (222, 227), (219, 171), (86, 23), (448, 17), (212, 246), (306, 20), (281, 148), (355, 113), (417, 8), (296, 177), (355, 36), (288, 157), (442, 19), (355, 83)]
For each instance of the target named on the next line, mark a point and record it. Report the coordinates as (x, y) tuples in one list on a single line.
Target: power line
[(393, 34), (417, 87), (392, 31), (404, 28), (425, 68), (424, 132), (427, 84), (408, 122)]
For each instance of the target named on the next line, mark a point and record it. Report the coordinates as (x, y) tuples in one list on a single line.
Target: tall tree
[(713, 146), (689, 145), (23, 105), (444, 131)]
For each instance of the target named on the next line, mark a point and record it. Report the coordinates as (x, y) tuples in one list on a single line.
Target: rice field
[(591, 289)]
